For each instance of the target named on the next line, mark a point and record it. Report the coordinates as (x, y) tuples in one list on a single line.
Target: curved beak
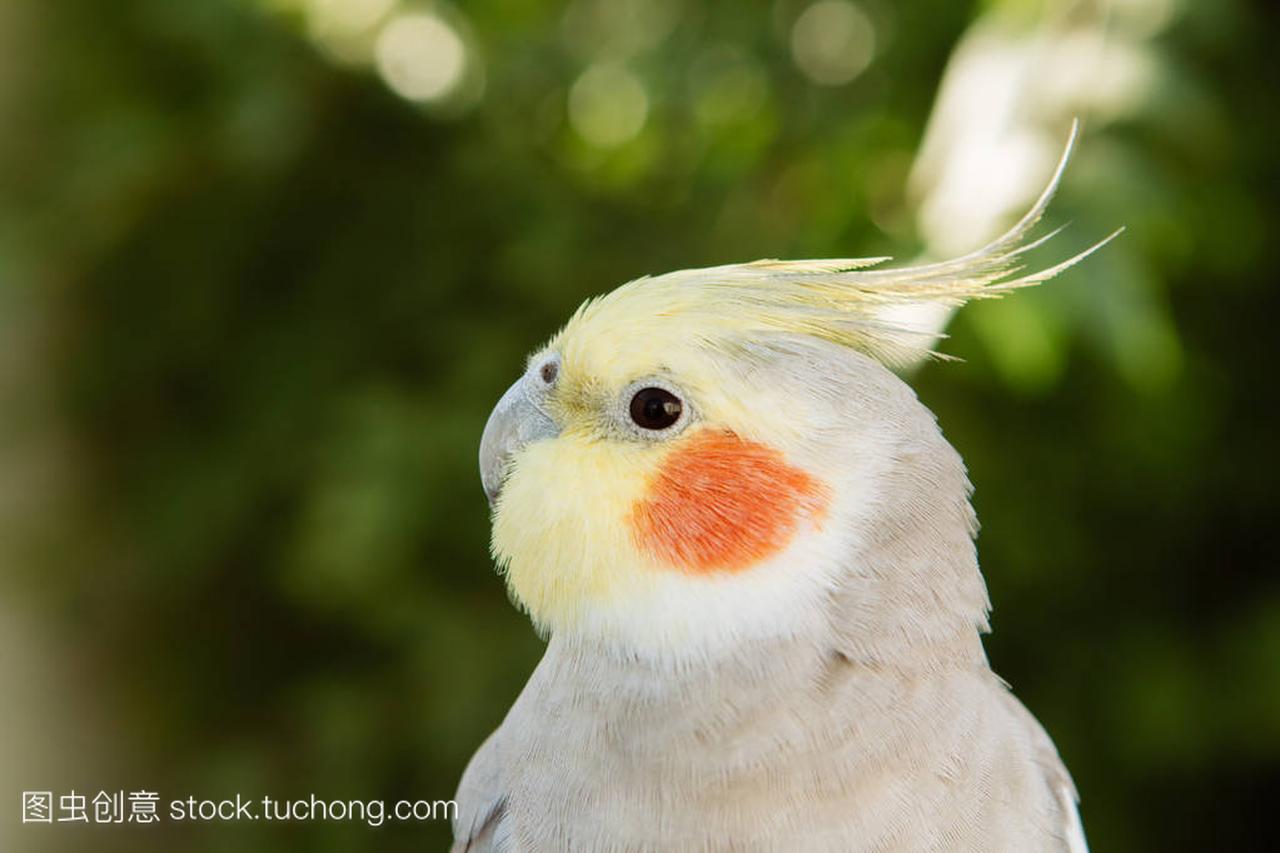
[(516, 421)]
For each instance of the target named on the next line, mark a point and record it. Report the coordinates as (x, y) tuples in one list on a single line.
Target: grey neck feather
[(913, 591)]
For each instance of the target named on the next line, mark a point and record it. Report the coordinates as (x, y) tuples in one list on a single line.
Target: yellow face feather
[(560, 525)]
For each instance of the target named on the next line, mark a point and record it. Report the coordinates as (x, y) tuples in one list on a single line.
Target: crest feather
[(843, 300)]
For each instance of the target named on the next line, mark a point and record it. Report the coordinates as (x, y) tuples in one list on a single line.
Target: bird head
[(711, 456)]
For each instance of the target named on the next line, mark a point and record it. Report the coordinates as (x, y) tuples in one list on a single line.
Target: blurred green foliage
[(261, 306)]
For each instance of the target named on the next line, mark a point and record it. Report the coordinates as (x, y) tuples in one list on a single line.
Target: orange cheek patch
[(719, 503)]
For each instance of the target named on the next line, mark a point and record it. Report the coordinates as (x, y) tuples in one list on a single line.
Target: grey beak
[(517, 420)]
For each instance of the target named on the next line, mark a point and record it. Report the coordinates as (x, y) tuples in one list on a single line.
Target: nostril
[(550, 371)]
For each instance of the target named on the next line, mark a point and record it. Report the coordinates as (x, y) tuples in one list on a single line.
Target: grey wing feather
[(1046, 756), (481, 801)]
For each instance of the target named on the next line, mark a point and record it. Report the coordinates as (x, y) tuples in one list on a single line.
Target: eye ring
[(655, 409), (662, 427)]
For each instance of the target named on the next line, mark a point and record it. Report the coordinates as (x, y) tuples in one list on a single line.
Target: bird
[(750, 550)]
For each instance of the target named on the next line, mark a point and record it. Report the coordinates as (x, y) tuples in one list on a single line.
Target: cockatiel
[(752, 551)]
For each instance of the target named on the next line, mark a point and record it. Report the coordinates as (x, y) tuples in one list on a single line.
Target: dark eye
[(655, 408)]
